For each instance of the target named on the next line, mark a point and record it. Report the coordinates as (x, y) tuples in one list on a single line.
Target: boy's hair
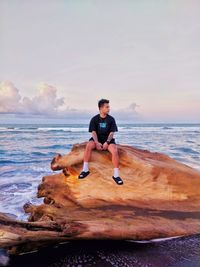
[(102, 101)]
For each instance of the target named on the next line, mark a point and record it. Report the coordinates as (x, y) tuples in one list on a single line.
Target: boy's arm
[(92, 129), (113, 129), (110, 136), (94, 135)]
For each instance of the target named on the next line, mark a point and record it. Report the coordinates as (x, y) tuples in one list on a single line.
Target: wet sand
[(177, 252)]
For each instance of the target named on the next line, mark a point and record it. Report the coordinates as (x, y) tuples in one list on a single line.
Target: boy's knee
[(90, 145), (115, 153)]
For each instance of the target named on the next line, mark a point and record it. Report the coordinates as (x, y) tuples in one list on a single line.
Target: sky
[(58, 58)]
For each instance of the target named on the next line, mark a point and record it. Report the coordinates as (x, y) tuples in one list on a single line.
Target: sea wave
[(53, 146), (186, 150), (14, 186)]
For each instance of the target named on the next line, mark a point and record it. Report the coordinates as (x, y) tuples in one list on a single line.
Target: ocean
[(26, 152)]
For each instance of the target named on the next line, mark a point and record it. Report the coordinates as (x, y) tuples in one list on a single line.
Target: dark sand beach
[(177, 252)]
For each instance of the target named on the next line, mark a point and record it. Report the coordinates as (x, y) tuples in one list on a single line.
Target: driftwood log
[(160, 198)]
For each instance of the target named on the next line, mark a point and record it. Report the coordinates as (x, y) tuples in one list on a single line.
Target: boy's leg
[(87, 153), (112, 148)]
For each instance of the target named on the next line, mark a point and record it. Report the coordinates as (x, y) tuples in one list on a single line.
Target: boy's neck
[(102, 115)]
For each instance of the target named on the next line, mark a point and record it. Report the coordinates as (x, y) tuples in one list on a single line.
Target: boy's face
[(105, 108)]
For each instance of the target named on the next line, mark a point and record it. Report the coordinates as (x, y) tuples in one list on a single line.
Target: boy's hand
[(99, 146), (105, 146)]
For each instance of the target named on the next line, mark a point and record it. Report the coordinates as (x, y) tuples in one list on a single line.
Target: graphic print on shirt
[(102, 127), (102, 124)]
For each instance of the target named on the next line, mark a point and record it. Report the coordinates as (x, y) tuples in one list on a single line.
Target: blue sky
[(58, 58)]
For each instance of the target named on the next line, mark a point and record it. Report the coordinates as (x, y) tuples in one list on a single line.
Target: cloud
[(45, 101), (9, 98), (127, 113), (46, 104)]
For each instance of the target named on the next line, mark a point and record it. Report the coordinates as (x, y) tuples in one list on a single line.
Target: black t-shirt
[(102, 126)]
